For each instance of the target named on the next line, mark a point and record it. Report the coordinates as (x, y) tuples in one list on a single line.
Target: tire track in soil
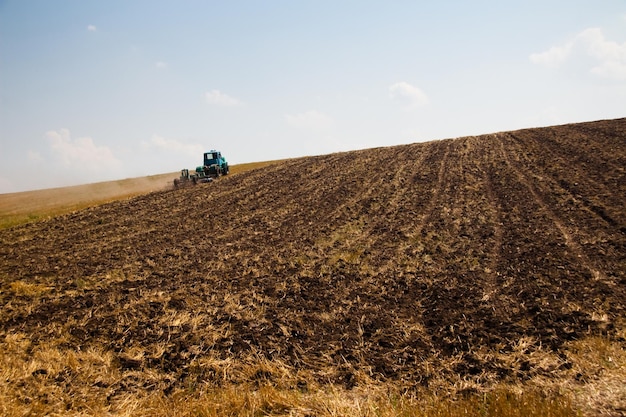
[(436, 191), (441, 177), (572, 177), (581, 167), (523, 176), (469, 227), (493, 284), (403, 207), (594, 149)]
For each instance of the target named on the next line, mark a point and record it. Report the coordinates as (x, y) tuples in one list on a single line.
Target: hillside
[(465, 263), (27, 206)]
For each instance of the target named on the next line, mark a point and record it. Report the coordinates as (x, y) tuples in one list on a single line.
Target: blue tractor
[(214, 165)]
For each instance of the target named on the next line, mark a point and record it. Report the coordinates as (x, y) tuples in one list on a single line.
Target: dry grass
[(30, 206), (21, 288), (57, 381), (599, 369), (268, 401)]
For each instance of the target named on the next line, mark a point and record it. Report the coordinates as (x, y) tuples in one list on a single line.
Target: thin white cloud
[(160, 64), (173, 145), (600, 56), (217, 98), (80, 153), (553, 57), (310, 120), (91, 28), (408, 95)]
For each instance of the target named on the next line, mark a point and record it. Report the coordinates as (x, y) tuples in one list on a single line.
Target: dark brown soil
[(392, 261)]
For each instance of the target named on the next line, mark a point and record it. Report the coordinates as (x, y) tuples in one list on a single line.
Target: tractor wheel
[(176, 183)]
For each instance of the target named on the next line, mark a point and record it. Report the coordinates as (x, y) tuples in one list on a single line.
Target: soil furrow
[(574, 246)]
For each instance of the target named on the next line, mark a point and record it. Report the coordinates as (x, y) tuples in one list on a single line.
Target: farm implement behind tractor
[(214, 165)]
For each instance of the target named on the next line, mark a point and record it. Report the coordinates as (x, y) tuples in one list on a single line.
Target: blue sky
[(101, 90)]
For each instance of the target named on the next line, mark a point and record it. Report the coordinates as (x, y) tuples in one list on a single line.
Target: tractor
[(214, 166)]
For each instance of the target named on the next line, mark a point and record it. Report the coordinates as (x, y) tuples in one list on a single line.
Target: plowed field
[(472, 261)]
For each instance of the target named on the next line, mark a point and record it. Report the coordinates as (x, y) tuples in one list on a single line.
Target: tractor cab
[(214, 164), (212, 158)]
